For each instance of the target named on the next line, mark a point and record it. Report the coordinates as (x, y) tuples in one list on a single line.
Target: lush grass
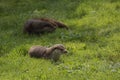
[(93, 40)]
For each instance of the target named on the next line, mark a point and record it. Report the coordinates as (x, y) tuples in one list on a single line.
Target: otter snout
[(65, 51)]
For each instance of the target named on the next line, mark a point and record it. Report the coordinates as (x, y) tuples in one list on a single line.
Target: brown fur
[(54, 22), (53, 52), (41, 25)]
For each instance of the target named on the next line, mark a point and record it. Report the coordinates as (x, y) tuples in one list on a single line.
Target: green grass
[(93, 40)]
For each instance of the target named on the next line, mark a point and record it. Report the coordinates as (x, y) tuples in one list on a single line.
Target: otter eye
[(61, 49)]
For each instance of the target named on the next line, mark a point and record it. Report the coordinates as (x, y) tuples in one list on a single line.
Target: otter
[(42, 25), (52, 52)]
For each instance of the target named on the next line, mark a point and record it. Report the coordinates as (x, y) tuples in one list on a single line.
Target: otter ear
[(56, 47)]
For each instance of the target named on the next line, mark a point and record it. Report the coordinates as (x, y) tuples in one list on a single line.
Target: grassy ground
[(93, 40)]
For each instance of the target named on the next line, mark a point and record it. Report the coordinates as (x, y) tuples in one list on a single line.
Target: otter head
[(60, 48)]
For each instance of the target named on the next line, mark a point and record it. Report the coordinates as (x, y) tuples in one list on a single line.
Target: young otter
[(42, 25), (53, 52)]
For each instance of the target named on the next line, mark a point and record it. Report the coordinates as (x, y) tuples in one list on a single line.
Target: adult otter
[(42, 25), (53, 52)]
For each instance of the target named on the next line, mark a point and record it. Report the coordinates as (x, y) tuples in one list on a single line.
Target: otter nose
[(65, 51)]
